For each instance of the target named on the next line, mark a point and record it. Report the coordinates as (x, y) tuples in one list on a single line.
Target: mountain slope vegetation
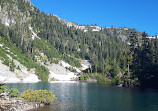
[(29, 32)]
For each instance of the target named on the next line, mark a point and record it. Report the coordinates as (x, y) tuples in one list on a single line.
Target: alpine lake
[(77, 96)]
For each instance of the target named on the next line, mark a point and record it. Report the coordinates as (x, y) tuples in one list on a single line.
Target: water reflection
[(92, 97)]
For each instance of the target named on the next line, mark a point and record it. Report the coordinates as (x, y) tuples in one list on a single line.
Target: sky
[(139, 14)]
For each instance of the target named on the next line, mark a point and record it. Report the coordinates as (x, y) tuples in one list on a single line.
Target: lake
[(75, 96)]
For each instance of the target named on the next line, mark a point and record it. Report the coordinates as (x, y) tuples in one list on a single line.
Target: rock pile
[(14, 105)]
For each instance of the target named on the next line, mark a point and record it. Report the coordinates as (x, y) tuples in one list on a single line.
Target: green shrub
[(53, 60), (42, 72), (82, 77), (12, 66), (71, 69), (2, 88), (13, 92), (18, 68), (38, 96)]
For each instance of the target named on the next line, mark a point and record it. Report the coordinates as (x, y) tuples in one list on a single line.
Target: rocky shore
[(15, 104)]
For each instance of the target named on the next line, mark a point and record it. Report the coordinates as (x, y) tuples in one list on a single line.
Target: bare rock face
[(76, 26), (29, 2), (9, 17), (0, 8), (4, 16)]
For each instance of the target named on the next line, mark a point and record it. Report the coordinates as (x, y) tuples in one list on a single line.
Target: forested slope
[(111, 51)]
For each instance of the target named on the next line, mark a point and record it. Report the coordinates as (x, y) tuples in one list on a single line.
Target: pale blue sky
[(139, 14)]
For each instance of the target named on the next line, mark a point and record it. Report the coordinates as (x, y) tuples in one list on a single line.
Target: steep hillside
[(33, 33), (42, 44), (25, 48)]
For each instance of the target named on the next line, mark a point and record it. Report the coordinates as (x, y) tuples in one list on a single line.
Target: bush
[(38, 96), (2, 88), (71, 69), (42, 72), (53, 60), (13, 92)]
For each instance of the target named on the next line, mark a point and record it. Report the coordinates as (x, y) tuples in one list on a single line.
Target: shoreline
[(16, 104), (43, 81)]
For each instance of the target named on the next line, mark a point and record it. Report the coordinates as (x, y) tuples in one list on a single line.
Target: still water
[(93, 97)]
